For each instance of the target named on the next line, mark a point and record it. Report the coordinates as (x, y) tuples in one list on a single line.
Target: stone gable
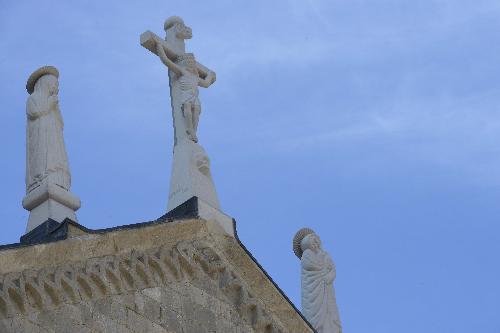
[(181, 276)]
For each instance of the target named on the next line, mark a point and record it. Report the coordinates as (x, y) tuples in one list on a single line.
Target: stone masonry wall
[(181, 307), (187, 286)]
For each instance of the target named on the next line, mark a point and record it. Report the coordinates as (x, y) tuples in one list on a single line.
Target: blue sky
[(376, 123)]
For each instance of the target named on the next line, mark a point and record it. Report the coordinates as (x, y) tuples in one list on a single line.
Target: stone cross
[(48, 178), (191, 176), (186, 74)]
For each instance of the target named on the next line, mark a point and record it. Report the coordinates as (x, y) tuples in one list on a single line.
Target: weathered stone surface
[(318, 272), (191, 175), (183, 276), (48, 178)]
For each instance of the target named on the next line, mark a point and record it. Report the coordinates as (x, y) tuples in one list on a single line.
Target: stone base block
[(197, 208), (49, 201), (191, 176)]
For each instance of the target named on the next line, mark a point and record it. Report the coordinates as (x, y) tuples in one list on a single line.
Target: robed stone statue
[(47, 160), (48, 178), (319, 304)]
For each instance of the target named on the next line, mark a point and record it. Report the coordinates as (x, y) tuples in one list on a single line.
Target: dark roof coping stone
[(52, 231)]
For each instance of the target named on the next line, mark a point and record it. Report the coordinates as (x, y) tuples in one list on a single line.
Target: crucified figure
[(188, 79)]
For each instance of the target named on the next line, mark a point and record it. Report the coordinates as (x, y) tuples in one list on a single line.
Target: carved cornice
[(28, 291)]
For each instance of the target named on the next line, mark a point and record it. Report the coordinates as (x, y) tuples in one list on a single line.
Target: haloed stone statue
[(48, 178), (46, 155), (318, 272)]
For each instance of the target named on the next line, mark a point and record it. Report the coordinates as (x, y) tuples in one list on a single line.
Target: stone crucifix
[(191, 176), (186, 75)]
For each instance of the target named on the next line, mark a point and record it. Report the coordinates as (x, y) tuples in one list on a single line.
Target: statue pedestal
[(191, 176), (49, 201)]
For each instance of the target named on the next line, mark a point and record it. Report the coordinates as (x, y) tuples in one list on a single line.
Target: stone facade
[(181, 276)]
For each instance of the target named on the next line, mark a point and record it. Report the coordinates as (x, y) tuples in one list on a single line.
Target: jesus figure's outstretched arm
[(208, 80), (166, 60)]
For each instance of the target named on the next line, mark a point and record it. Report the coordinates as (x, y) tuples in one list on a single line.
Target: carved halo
[(30, 85), (299, 236)]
